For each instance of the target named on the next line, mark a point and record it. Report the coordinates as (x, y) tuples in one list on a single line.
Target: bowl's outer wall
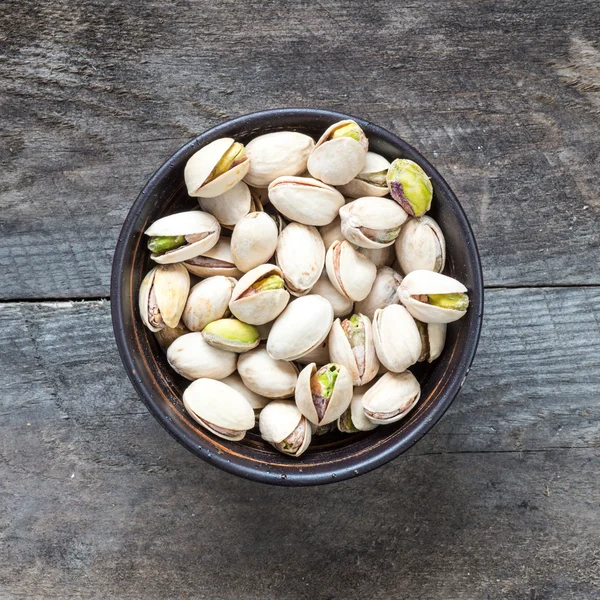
[(332, 458)]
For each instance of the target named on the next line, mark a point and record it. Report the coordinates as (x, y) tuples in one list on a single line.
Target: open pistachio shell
[(231, 335), (397, 338), (166, 336), (207, 302), (300, 256), (219, 408), (253, 241), (380, 257), (266, 376), (392, 397), (230, 207), (432, 297), (216, 168), (162, 296), (256, 401), (332, 232), (410, 186), (350, 272), (322, 395), (259, 296), (351, 344), (421, 246), (354, 418), (342, 305), (337, 160), (216, 261), (285, 428), (275, 154), (305, 200), (193, 358), (383, 293), (371, 181), (197, 231), (319, 354), (433, 338), (300, 328)]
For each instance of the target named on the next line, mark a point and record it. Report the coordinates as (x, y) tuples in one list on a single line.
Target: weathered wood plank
[(503, 98), (500, 501)]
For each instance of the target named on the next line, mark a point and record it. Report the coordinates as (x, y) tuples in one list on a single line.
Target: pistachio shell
[(342, 306), (319, 355), (350, 272), (360, 360), (372, 222), (397, 338), (219, 408), (392, 397), (266, 376), (332, 232), (231, 335), (354, 417), (275, 154), (433, 338), (199, 167), (230, 207), (207, 302), (253, 241), (216, 261), (300, 328), (165, 337), (260, 308), (383, 293), (193, 222), (165, 287), (380, 257), (281, 421), (256, 401), (361, 185), (338, 402), (300, 256), (305, 200), (421, 245), (193, 358), (423, 283)]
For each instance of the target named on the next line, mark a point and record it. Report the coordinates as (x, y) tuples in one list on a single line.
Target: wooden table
[(500, 501)]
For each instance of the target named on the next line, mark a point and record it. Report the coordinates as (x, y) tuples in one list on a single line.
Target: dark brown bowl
[(333, 457)]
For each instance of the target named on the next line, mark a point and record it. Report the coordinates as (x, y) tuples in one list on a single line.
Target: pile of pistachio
[(301, 321)]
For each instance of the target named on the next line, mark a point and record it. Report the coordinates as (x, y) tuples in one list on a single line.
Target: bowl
[(333, 457)]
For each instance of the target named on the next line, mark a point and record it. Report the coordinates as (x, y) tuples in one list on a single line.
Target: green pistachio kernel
[(410, 186), (378, 179), (351, 130), (273, 282), (453, 301), (354, 330), (327, 377), (235, 155), (162, 243), (232, 329)]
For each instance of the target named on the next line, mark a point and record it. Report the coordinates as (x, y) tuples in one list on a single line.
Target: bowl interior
[(334, 456)]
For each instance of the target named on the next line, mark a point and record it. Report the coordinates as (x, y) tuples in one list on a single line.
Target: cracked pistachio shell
[(342, 306), (319, 354), (216, 261), (423, 283), (332, 232), (372, 222), (397, 338), (410, 187), (190, 223), (265, 375), (383, 293), (230, 207), (338, 402), (231, 335), (337, 160), (361, 361), (219, 408), (256, 401), (275, 154), (207, 302), (380, 257), (253, 241), (165, 287), (165, 337), (282, 422), (354, 418), (200, 166), (262, 307), (193, 358), (305, 200), (392, 397), (300, 328), (433, 338), (350, 272), (421, 246), (300, 255), (371, 181)]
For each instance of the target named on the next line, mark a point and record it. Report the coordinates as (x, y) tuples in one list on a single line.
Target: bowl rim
[(352, 466)]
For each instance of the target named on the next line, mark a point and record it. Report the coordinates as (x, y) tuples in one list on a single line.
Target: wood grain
[(503, 98), (499, 501)]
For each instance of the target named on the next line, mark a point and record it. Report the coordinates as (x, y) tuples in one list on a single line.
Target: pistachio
[(421, 245), (409, 186), (256, 401), (433, 338), (232, 335), (283, 426), (216, 261), (233, 156), (319, 354), (266, 376), (340, 303), (354, 418), (392, 397), (207, 302), (318, 430), (253, 241), (383, 293), (231, 206), (380, 257), (372, 179), (332, 232), (350, 272), (161, 243)]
